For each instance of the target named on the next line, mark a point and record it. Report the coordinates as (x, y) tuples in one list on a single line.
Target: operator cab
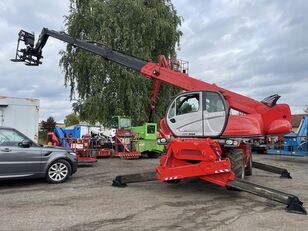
[(197, 114)]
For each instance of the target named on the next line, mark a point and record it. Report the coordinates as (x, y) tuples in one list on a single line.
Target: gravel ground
[(88, 202)]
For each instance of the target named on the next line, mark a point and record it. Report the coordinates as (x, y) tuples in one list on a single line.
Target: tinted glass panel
[(10, 138), (213, 102), (151, 129), (125, 123), (171, 111), (187, 104)]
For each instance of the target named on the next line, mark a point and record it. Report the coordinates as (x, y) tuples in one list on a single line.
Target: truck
[(142, 139), (21, 114), (201, 137), (147, 134)]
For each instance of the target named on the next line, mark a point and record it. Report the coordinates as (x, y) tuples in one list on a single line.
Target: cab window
[(171, 112), (187, 104), (151, 129), (213, 102)]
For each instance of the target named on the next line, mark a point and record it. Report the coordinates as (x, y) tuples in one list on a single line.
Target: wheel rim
[(57, 171)]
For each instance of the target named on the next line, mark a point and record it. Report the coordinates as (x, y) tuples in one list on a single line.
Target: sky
[(254, 47)]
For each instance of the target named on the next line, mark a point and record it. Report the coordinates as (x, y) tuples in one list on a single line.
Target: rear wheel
[(58, 172), (173, 181), (248, 169), (153, 155), (236, 157)]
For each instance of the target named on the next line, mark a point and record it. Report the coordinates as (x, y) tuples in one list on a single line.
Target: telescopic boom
[(258, 118)]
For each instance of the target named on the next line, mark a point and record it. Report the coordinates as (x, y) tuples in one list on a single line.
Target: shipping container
[(21, 114)]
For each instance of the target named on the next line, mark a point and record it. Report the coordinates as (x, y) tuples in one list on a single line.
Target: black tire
[(58, 171), (153, 155), (248, 169), (236, 157), (173, 181)]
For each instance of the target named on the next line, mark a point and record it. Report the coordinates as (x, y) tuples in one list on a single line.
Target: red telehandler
[(201, 137)]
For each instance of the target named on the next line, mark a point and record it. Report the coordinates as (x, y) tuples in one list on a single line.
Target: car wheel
[(58, 172)]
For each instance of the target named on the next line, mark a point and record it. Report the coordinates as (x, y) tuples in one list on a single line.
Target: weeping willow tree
[(101, 88)]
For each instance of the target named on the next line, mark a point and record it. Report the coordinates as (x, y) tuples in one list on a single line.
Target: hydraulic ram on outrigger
[(189, 153)]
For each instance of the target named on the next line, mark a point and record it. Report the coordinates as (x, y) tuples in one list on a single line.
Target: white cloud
[(256, 48), (45, 82)]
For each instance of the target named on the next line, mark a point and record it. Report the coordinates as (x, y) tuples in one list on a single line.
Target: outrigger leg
[(123, 180), (294, 205), (284, 173)]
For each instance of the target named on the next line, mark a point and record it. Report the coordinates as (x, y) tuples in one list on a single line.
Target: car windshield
[(10, 138)]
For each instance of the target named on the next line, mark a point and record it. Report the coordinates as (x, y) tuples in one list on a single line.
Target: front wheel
[(236, 157), (58, 172)]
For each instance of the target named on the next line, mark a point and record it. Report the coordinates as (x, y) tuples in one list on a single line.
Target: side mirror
[(25, 143)]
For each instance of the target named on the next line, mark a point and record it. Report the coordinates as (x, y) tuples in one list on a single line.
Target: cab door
[(215, 114), (198, 114), (184, 116)]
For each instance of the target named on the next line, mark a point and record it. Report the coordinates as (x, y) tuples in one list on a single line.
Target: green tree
[(46, 126), (142, 28), (49, 124), (71, 119)]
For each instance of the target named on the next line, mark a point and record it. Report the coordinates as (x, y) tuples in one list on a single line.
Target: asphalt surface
[(88, 202)]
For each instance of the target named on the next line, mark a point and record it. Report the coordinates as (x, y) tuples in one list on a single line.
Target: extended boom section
[(32, 54)]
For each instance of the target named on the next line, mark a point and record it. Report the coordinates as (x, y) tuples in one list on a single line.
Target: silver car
[(20, 157)]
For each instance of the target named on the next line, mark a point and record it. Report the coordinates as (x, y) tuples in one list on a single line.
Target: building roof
[(296, 120)]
